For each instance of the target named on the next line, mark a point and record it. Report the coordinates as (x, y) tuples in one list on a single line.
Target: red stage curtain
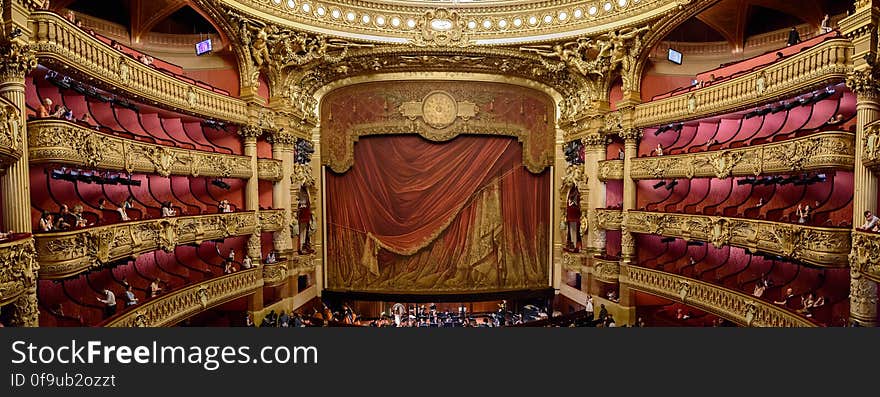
[(414, 215)]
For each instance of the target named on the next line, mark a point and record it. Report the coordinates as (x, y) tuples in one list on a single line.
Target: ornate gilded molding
[(301, 264), (58, 42), (610, 170), (816, 245), (733, 305), (865, 256), (17, 59), (823, 64), (274, 274), (825, 150), (609, 219), (62, 142), (11, 134), (65, 254), (871, 147), (18, 269), (483, 22), (271, 220), (176, 306), (269, 169), (574, 262)]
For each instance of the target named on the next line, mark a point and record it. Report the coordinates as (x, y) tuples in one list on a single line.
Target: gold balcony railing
[(18, 268), (816, 245), (826, 63), (822, 151), (269, 169), (602, 269), (609, 219), (59, 42), (865, 259), (732, 305), (176, 306), (611, 170), (63, 254), (271, 220), (64, 142)]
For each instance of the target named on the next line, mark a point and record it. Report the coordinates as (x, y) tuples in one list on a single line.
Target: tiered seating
[(832, 109), (73, 301), (118, 117), (738, 269)]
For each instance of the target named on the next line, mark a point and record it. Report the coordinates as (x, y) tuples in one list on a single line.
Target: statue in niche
[(573, 220), (305, 222)]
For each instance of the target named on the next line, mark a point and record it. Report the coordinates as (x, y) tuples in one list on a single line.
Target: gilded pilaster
[(864, 80), (631, 137), (595, 147), (252, 191), (282, 149)]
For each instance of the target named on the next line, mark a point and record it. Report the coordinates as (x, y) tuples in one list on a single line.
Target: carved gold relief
[(825, 150), (816, 245), (64, 254), (171, 308), (733, 305), (62, 142), (18, 269)]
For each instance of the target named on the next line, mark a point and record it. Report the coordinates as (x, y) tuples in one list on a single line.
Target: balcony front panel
[(822, 151), (176, 306), (64, 254), (815, 245), (18, 268), (865, 260), (732, 305)]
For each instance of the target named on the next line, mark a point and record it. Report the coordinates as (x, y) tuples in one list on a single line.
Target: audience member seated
[(130, 298), (224, 207), (167, 210), (7, 235), (155, 289), (79, 219), (271, 258), (44, 111), (228, 268), (247, 262), (872, 223), (47, 222), (789, 293), (122, 209)]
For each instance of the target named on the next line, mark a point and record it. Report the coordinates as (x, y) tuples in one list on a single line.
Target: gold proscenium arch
[(461, 114)]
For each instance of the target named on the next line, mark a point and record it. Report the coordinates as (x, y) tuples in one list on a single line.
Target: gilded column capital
[(250, 132), (595, 141), (864, 83), (631, 134), (17, 59), (283, 138)]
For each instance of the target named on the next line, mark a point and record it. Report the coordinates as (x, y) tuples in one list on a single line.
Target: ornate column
[(282, 149), (252, 189), (595, 148), (16, 61), (860, 27), (631, 138)]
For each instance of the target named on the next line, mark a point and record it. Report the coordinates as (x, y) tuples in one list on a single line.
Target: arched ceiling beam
[(146, 14)]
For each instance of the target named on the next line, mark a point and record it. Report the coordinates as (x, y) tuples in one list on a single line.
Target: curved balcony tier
[(64, 254), (818, 66), (17, 267), (732, 305), (176, 306), (63, 142), (60, 43), (820, 246), (602, 269), (821, 151)]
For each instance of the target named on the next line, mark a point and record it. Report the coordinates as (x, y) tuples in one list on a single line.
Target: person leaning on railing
[(872, 223)]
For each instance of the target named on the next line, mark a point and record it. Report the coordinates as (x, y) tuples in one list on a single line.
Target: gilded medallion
[(439, 109)]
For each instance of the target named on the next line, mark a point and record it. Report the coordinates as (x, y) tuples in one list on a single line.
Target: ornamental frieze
[(816, 245), (274, 274), (610, 170), (64, 254), (825, 150), (18, 269), (269, 170), (733, 305), (63, 142), (271, 220), (11, 133), (865, 256), (176, 306), (818, 66), (609, 219)]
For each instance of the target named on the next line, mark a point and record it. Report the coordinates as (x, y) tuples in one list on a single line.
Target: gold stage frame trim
[(64, 254), (820, 246), (733, 305), (820, 151), (176, 306), (62, 142)]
